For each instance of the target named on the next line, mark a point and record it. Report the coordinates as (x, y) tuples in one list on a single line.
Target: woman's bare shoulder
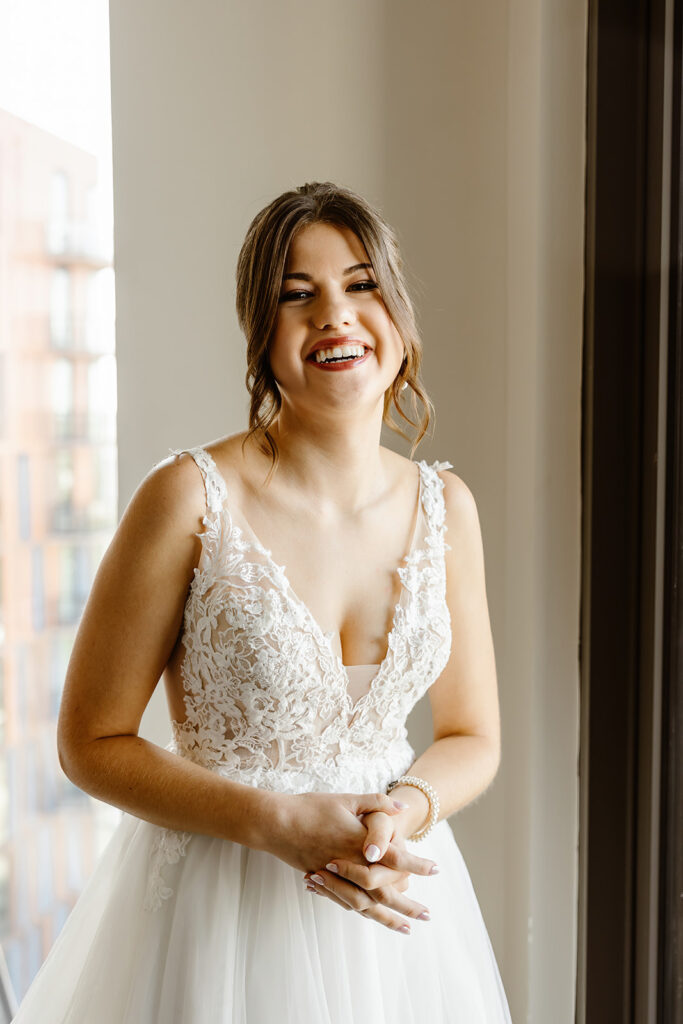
[(458, 497), (178, 478), (400, 468), (230, 451), (238, 463), (462, 514), (169, 502), (456, 490), (174, 485)]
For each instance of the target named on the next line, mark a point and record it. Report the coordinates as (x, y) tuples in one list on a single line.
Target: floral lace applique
[(168, 847), (266, 697)]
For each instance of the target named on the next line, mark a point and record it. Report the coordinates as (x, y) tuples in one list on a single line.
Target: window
[(58, 502)]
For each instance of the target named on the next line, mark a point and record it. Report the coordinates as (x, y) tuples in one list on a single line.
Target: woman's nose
[(332, 311)]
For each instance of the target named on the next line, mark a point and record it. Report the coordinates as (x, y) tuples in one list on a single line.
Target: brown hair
[(260, 267)]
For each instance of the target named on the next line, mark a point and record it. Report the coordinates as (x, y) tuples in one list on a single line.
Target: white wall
[(465, 124)]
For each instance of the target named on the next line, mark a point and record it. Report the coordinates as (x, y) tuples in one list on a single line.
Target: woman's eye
[(365, 285), (360, 285)]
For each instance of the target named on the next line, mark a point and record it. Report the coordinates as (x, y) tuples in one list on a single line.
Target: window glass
[(58, 483)]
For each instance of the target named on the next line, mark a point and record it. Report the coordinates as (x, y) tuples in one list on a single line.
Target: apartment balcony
[(73, 425), (92, 335), (78, 244), (67, 243), (66, 519)]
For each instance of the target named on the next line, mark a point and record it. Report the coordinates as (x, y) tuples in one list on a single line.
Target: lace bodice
[(266, 698)]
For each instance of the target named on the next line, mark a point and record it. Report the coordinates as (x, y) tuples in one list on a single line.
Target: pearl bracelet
[(430, 793)]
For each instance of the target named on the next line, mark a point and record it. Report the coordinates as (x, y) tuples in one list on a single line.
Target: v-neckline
[(325, 638)]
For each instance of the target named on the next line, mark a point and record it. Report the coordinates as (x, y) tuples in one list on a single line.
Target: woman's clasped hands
[(361, 841)]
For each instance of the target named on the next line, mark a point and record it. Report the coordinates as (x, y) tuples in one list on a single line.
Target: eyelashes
[(364, 286)]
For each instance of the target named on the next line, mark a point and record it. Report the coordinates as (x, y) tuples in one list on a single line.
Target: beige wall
[(465, 124)]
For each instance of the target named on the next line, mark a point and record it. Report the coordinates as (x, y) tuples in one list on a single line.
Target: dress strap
[(433, 500), (214, 484)]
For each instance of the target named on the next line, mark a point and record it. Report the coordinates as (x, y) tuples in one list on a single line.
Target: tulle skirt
[(215, 932)]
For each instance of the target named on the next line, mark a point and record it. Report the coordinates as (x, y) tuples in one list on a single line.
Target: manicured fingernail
[(332, 867), (405, 929), (434, 869), (372, 853), (318, 879), (401, 806), (424, 916), (311, 888)]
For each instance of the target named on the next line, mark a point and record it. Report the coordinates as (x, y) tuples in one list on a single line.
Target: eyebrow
[(307, 277)]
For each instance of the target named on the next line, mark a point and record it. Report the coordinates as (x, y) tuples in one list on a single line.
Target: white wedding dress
[(185, 928)]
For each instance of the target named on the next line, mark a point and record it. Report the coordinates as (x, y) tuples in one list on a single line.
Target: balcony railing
[(71, 426), (74, 242), (89, 335), (65, 518)]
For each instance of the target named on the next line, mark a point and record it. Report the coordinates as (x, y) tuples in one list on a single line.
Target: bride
[(294, 634)]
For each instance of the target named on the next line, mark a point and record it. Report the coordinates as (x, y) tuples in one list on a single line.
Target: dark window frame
[(632, 627)]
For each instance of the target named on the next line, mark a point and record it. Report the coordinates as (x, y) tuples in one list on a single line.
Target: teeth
[(338, 352)]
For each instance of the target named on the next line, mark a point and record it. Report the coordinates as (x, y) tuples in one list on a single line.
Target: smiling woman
[(295, 632), (340, 325), (368, 268)]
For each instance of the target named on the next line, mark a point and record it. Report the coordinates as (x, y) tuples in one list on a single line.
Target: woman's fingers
[(321, 891), (389, 896), (374, 911), (380, 831), (384, 904), (366, 802), (360, 898), (403, 860), (367, 876), (382, 843)]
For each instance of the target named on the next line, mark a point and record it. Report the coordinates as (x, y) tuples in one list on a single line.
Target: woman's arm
[(128, 630)]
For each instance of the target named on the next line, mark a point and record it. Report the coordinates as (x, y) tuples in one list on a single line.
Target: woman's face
[(329, 296)]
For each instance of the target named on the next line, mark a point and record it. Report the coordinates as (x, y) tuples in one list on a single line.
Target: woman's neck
[(340, 465)]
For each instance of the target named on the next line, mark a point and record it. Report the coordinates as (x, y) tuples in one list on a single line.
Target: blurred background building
[(58, 500)]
